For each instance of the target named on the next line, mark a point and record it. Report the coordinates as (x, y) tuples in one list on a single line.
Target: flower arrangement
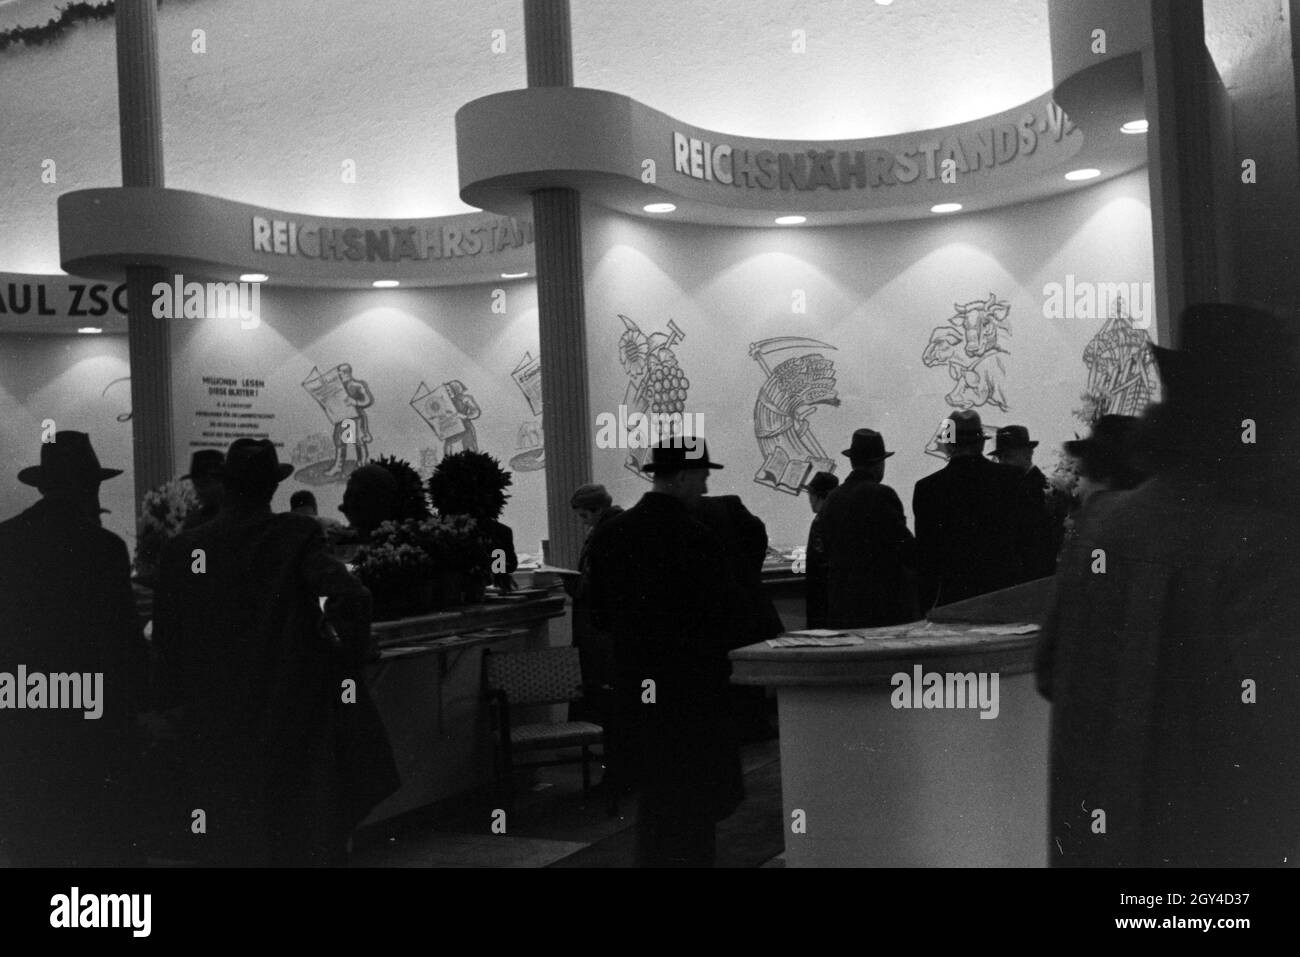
[(162, 515), (469, 483), (415, 565), (411, 501)]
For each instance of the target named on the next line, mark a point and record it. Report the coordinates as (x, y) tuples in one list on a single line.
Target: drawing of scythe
[(759, 352), (121, 416)]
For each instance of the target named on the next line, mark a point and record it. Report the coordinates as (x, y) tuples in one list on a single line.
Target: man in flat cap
[(275, 703), (662, 586), (67, 609), (976, 528), (868, 547)]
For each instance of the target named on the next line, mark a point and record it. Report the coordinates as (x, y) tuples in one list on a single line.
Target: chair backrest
[(549, 676)]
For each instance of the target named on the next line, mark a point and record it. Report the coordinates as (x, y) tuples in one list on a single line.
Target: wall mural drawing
[(1121, 369), (656, 382), (531, 454), (322, 459), (449, 410), (790, 394), (970, 347), (121, 416)]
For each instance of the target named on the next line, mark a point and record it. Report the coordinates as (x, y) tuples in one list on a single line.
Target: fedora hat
[(673, 456), (254, 462), (206, 463), (69, 460), (1012, 437), (867, 444), (1110, 447), (967, 428)]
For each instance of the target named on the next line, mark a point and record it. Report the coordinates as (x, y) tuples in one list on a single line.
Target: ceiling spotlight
[(1134, 126), (791, 220), (513, 275), (883, 3), (659, 208), (1082, 174), (384, 283), (89, 330), (945, 208), (253, 277)]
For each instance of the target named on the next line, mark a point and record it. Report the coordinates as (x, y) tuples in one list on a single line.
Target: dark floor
[(553, 825)]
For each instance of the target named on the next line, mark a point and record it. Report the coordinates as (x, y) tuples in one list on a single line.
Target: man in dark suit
[(67, 608), (276, 709), (205, 476), (868, 547), (976, 528), (744, 539), (1014, 448), (662, 585)]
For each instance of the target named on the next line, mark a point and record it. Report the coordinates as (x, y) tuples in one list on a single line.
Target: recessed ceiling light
[(1083, 174), (253, 277), (513, 275), (883, 3), (945, 208), (1134, 126), (89, 330), (791, 220), (659, 207), (384, 283)]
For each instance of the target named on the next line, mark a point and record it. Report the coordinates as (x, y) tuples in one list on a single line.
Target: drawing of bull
[(970, 348)]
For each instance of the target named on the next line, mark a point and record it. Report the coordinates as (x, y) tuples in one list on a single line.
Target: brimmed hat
[(673, 456), (867, 444), (967, 428), (206, 463), (1012, 437), (1110, 448), (69, 460), (254, 463), (591, 496), (823, 483)]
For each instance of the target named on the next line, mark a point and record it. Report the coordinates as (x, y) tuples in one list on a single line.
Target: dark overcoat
[(1170, 655), (66, 606), (743, 537), (870, 555), (661, 584), (817, 570), (977, 531), (281, 756)]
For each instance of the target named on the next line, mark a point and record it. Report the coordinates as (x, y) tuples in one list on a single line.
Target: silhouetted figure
[(1015, 449), (370, 499), (870, 551), (593, 506), (1169, 649), (276, 708), (816, 565), (661, 583), (743, 537), (303, 502), (976, 528), (205, 476), (67, 610)]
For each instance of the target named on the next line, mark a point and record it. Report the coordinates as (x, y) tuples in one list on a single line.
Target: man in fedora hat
[(1014, 448), (662, 586), (870, 552), (205, 476), (67, 609), (1174, 676), (977, 530), (271, 723)]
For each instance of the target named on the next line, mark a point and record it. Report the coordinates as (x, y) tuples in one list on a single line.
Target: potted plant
[(398, 570), (411, 500), (473, 484)]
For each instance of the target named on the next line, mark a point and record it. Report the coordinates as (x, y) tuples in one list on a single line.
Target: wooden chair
[(547, 677)]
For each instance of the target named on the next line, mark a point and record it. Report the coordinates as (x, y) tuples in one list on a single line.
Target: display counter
[(883, 765), (427, 684)]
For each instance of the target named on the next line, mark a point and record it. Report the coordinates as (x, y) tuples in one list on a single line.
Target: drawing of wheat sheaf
[(971, 347), (790, 394), (656, 383)]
